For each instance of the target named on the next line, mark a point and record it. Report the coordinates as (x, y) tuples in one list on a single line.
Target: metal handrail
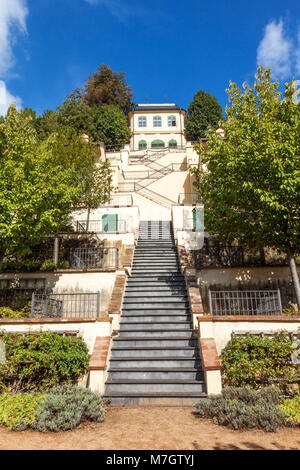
[(89, 257), (154, 196), (120, 200), (101, 226), (66, 305), (260, 302)]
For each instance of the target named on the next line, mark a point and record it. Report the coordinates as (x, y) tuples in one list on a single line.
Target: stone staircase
[(155, 358)]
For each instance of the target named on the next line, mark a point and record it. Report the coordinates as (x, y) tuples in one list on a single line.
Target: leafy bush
[(291, 408), (260, 361), (67, 406), (38, 361), (242, 408), (48, 265), (18, 412), (6, 312)]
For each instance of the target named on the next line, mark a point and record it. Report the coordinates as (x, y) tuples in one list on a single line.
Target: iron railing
[(67, 305), (155, 173), (126, 187), (101, 226), (120, 200), (167, 148), (263, 302), (189, 198), (104, 258)]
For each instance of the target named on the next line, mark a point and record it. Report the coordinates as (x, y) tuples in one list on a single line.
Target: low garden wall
[(64, 281), (221, 328), (251, 278), (88, 329)]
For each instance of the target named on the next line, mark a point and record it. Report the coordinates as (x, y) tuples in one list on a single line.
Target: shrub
[(291, 408), (48, 265), (260, 361), (65, 407), (18, 412), (38, 361), (243, 408), (7, 312)]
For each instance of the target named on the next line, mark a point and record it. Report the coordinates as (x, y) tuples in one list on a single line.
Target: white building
[(157, 125)]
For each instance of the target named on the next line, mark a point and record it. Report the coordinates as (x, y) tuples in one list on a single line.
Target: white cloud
[(6, 99), (13, 15), (119, 8), (274, 50)]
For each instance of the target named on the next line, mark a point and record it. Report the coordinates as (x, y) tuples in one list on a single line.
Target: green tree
[(251, 188), (109, 125), (76, 114), (46, 124), (42, 180), (204, 111), (106, 87)]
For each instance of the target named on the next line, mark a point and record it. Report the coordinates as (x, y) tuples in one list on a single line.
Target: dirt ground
[(151, 428)]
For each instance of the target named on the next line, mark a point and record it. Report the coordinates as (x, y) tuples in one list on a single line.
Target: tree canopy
[(204, 111), (76, 114), (106, 87), (109, 125), (41, 180), (251, 189)]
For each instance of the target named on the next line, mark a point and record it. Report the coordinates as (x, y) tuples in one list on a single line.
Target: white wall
[(129, 214), (233, 276), (221, 330), (87, 330), (74, 282)]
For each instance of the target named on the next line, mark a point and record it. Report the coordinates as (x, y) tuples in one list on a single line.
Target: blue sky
[(168, 49)]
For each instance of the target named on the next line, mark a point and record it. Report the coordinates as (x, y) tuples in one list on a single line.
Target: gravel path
[(151, 428)]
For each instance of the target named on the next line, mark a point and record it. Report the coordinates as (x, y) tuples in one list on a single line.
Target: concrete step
[(155, 311), (161, 290), (151, 399), (148, 373), (154, 326), (166, 294), (155, 342), (160, 303), (148, 268), (154, 386), (147, 352), (168, 283), (158, 274), (160, 296), (177, 276), (159, 362), (129, 332), (146, 318)]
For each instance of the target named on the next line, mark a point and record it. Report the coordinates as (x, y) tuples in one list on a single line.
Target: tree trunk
[(295, 277)]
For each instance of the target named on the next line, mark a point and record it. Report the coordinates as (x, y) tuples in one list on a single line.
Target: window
[(173, 144), (156, 144), (142, 144), (157, 121), (172, 121), (142, 121)]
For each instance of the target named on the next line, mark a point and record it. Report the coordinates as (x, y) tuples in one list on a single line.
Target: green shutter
[(197, 222), (173, 143), (142, 144), (157, 144), (110, 222)]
